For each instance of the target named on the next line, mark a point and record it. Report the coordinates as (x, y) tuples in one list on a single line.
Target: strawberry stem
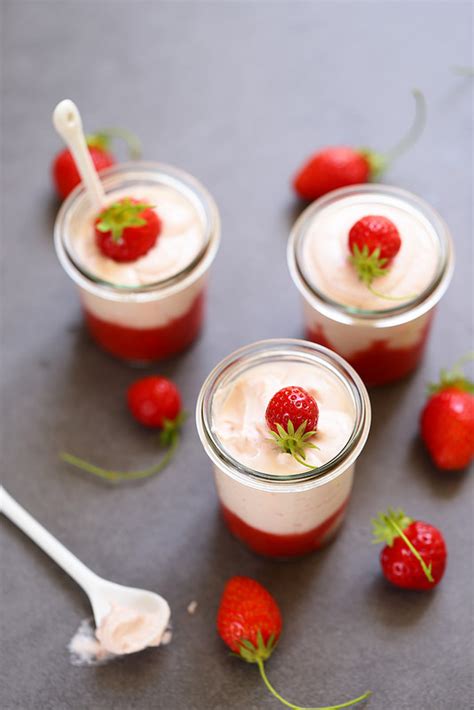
[(277, 695), (414, 131), (294, 442), (409, 297), (102, 139), (117, 476)]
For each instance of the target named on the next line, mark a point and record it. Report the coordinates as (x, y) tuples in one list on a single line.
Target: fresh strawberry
[(330, 168), (373, 241), (64, 171), (249, 622), (127, 229), (447, 420), (155, 402), (340, 166), (415, 554), (292, 417), (247, 609)]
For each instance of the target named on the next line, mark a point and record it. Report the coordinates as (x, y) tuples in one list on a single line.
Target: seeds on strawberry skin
[(415, 554), (127, 229), (292, 418)]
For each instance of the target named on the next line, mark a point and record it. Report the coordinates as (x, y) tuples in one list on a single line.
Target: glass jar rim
[(386, 316), (182, 181), (278, 349)]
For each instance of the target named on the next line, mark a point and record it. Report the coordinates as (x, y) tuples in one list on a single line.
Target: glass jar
[(284, 515), (152, 321), (386, 344)]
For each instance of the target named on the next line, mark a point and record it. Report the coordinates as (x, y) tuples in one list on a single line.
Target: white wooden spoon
[(103, 595)]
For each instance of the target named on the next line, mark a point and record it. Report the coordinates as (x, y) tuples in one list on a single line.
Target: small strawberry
[(155, 402), (339, 166), (64, 171), (249, 622), (292, 417), (415, 554), (447, 420), (127, 229)]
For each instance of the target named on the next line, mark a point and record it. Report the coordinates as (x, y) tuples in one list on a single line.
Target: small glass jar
[(283, 515), (382, 345), (141, 324)]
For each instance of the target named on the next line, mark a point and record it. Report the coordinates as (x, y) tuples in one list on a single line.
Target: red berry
[(246, 609), (154, 399), (402, 568), (292, 404), (375, 232), (65, 174), (447, 428), (330, 169), (127, 229)]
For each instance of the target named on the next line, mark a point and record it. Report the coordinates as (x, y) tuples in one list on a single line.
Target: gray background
[(238, 94)]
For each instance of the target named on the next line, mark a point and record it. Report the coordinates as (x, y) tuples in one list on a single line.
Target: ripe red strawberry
[(246, 610), (154, 400), (64, 171), (249, 622), (65, 174), (292, 417), (331, 168), (340, 166), (127, 229), (375, 232), (447, 421), (415, 554)]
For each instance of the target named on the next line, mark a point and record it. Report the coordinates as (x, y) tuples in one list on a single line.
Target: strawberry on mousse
[(371, 263), (283, 434)]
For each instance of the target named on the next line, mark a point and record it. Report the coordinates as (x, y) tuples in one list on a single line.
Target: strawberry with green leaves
[(127, 229), (249, 622), (415, 553), (447, 419), (292, 418), (64, 171), (155, 402)]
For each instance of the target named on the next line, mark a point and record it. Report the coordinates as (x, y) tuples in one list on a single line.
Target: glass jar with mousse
[(379, 326), (152, 307), (276, 505)]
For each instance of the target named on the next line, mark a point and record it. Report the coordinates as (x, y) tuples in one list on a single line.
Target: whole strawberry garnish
[(415, 554), (156, 403), (447, 420), (249, 622), (292, 417), (64, 171), (340, 166), (127, 229)]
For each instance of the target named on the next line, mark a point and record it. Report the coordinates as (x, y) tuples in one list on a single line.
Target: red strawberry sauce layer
[(148, 344), (272, 545), (380, 363)]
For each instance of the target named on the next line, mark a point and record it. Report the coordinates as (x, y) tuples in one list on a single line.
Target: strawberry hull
[(143, 345), (285, 546)]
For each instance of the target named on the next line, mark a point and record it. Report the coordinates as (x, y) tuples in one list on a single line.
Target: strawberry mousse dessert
[(141, 261), (283, 422), (371, 263)]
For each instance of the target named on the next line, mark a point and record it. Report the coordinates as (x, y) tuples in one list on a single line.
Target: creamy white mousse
[(238, 415), (325, 252), (181, 240), (125, 630)]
